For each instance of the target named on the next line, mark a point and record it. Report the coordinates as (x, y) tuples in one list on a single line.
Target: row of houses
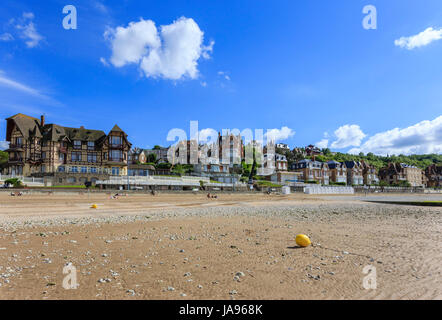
[(76, 155), (326, 173), (356, 173), (72, 156)]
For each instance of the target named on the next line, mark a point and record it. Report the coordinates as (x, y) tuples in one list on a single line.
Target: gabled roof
[(333, 164), (53, 132), (84, 134), (116, 128), (23, 116), (30, 127), (27, 125), (352, 164)]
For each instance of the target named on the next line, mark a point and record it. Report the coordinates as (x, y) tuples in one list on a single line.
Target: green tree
[(178, 169), (151, 157), (3, 160)]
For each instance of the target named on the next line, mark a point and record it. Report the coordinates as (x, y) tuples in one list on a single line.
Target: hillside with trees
[(420, 161)]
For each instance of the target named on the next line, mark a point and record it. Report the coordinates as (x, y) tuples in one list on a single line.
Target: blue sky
[(309, 66)]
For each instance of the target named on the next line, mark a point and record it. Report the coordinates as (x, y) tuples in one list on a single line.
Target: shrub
[(338, 184), (15, 182)]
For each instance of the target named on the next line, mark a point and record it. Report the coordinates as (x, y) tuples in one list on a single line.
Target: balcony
[(116, 161), (15, 147), (15, 160), (115, 146)]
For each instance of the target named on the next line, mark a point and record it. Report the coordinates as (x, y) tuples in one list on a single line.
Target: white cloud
[(422, 39), (348, 136), (224, 75), (4, 145), (206, 50), (18, 89), (104, 62), (6, 37), (322, 144), (130, 44), (28, 15), (422, 138), (279, 134), (28, 31), (4, 81), (172, 53), (100, 7)]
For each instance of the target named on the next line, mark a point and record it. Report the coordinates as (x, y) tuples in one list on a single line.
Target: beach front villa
[(69, 155), (312, 171)]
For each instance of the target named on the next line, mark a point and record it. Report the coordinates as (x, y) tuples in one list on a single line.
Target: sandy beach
[(239, 246)]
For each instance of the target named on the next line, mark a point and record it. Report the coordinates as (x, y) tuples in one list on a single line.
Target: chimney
[(42, 120)]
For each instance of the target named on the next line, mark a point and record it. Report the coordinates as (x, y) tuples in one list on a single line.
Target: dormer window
[(116, 141), (19, 141), (77, 144), (91, 145)]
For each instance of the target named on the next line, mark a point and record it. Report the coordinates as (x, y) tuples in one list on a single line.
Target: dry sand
[(185, 246)]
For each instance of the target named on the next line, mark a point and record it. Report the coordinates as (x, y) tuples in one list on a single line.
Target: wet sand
[(185, 246)]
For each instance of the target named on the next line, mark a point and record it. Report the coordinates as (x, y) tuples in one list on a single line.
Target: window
[(77, 144), (74, 169), (116, 141), (61, 169), (76, 156), (93, 170), (43, 155), (116, 155), (61, 157), (115, 171), (43, 169), (91, 145), (83, 169), (72, 180), (91, 157), (19, 142)]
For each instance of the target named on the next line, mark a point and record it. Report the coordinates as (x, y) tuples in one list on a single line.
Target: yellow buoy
[(94, 206), (302, 240)]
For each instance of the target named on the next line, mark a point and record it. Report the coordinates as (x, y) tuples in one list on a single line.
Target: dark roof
[(116, 128), (23, 116), (30, 126), (352, 164), (53, 132), (84, 134), (333, 164), (27, 125)]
